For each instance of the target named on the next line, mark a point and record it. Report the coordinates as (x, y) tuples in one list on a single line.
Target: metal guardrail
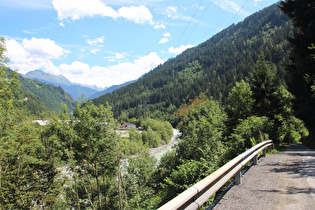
[(195, 196)]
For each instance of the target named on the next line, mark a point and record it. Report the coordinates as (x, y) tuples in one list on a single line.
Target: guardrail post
[(264, 152), (205, 188), (238, 176), (255, 160)]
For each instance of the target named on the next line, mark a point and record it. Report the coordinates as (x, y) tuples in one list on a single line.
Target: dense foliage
[(153, 133), (49, 94), (80, 162), (46, 96), (27, 171), (302, 67), (212, 67)]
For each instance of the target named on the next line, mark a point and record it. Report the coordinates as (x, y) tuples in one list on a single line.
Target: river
[(160, 151)]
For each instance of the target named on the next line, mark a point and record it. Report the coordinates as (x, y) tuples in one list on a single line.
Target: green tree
[(138, 179), (163, 128), (201, 127), (302, 14), (91, 149), (28, 177), (248, 133), (240, 103), (151, 138), (262, 83)]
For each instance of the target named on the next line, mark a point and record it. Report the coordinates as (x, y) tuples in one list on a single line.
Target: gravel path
[(284, 180)]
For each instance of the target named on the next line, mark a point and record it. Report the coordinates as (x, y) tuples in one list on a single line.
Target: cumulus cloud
[(117, 56), (38, 54), (76, 68), (172, 12), (166, 34), (163, 40), (32, 54), (75, 10), (161, 25), (45, 48), (96, 41), (180, 49), (139, 14), (106, 76)]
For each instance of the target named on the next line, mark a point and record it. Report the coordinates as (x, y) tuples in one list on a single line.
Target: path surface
[(284, 180)]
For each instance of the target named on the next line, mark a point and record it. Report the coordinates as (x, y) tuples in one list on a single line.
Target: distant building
[(127, 126), (40, 122)]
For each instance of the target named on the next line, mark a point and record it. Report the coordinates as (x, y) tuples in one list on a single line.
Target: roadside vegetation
[(76, 161)]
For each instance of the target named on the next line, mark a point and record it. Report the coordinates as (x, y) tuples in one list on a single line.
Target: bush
[(248, 132), (151, 138)]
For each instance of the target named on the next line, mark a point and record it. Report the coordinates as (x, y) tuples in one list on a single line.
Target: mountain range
[(73, 89), (211, 68), (40, 100)]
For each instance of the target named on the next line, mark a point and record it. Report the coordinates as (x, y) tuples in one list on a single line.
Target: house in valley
[(127, 126)]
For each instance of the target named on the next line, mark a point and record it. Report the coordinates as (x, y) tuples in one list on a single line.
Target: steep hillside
[(52, 96), (28, 103), (74, 90), (48, 78), (211, 68), (110, 89)]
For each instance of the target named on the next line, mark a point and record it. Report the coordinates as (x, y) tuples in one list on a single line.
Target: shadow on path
[(285, 180)]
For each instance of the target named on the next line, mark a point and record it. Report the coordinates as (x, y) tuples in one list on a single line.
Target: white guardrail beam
[(195, 196)]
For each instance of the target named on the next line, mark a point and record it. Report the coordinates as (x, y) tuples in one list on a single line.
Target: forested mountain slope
[(74, 90), (211, 68), (110, 89), (52, 96)]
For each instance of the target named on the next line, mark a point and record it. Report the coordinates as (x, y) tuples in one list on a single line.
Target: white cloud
[(45, 48), (94, 42), (37, 54), (75, 10), (180, 49), (230, 6), (106, 76), (139, 14), (33, 54), (157, 26), (163, 40), (171, 12), (94, 51), (76, 68), (167, 34), (119, 55)]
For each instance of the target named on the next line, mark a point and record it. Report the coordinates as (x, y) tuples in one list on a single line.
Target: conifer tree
[(302, 67)]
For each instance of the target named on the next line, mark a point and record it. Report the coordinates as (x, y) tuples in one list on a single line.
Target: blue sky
[(109, 42)]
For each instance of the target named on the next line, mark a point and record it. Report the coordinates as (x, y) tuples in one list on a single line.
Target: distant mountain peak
[(47, 77)]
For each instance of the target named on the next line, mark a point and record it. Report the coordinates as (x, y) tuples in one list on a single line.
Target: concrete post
[(264, 152), (238, 176), (255, 160)]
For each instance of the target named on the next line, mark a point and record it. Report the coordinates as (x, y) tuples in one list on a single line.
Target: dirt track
[(280, 181)]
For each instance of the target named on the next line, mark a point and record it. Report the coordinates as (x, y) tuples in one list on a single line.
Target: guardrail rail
[(195, 196)]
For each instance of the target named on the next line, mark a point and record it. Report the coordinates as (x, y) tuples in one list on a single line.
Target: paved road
[(280, 181)]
